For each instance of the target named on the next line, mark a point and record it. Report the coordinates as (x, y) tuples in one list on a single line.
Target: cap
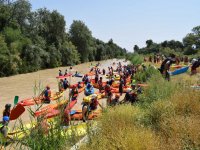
[(94, 96)]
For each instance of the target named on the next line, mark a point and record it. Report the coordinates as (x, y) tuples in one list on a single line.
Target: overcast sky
[(129, 22)]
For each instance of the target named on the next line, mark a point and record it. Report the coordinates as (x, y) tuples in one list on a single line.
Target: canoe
[(180, 71), (50, 107), (38, 100)]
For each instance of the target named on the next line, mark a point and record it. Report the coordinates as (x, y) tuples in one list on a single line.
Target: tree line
[(190, 45), (34, 40)]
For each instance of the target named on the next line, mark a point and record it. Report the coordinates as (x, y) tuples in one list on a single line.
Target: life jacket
[(47, 93), (94, 104), (74, 92), (107, 88)]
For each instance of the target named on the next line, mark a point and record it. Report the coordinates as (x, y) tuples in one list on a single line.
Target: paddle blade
[(72, 112), (16, 112), (16, 99)]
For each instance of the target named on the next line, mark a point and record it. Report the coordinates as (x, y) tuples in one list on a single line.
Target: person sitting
[(6, 111), (89, 106), (47, 94), (61, 85), (110, 82), (66, 73), (85, 79), (60, 73), (74, 93), (79, 85)]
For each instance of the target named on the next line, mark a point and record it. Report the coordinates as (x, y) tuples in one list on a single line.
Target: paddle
[(72, 112), (16, 99), (16, 112)]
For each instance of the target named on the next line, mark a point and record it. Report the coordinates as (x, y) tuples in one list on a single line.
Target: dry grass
[(168, 117), (119, 130)]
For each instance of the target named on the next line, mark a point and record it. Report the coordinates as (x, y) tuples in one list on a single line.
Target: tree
[(81, 37), (70, 55), (149, 43), (136, 48), (4, 56)]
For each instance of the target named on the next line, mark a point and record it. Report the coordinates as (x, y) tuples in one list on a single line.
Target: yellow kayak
[(18, 134)]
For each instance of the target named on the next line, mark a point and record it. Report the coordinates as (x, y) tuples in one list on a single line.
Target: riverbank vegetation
[(34, 40), (166, 116)]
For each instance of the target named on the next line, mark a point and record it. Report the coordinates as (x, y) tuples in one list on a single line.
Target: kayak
[(61, 77), (38, 100), (197, 87), (56, 112), (79, 116), (19, 134), (96, 85), (99, 96), (91, 74), (81, 89), (116, 90), (89, 91), (174, 67), (77, 75), (180, 71), (50, 107)]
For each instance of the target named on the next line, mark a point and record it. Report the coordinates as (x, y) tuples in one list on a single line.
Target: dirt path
[(23, 85)]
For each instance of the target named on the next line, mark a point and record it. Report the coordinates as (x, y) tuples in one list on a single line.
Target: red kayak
[(62, 77)]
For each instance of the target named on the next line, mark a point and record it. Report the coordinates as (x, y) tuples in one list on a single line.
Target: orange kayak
[(50, 107), (78, 115), (39, 100), (55, 112)]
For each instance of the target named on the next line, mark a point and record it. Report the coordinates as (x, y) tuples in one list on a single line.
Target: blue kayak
[(180, 71), (78, 75)]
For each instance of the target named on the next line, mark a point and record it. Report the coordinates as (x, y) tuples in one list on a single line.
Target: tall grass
[(167, 116)]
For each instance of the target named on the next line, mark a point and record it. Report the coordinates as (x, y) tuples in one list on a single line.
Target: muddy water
[(23, 85)]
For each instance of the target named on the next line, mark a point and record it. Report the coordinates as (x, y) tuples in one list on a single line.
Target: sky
[(129, 22)]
